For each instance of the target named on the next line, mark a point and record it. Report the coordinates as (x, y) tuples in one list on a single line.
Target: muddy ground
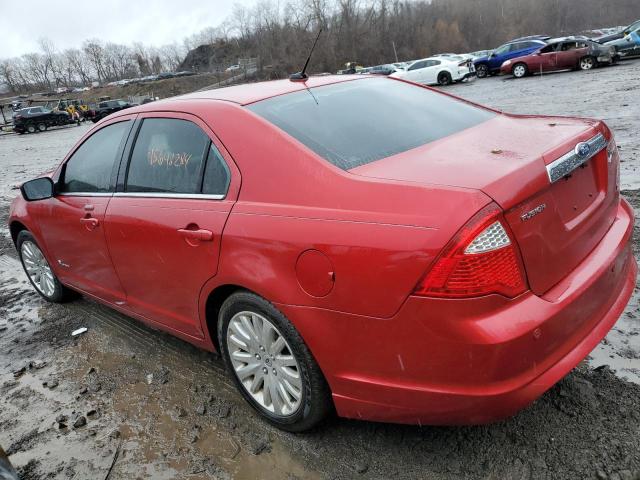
[(125, 402)]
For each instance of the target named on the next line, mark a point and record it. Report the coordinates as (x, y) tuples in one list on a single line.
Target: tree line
[(279, 33), (373, 32)]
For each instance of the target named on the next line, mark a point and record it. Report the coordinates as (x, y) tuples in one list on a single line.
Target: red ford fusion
[(444, 265)]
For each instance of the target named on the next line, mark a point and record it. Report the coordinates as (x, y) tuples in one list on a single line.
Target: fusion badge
[(532, 213)]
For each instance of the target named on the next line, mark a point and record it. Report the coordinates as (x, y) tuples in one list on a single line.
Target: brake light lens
[(480, 260)]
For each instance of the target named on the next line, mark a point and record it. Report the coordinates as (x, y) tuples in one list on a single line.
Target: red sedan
[(561, 54), (443, 266)]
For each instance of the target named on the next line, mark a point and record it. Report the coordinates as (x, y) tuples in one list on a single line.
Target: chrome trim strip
[(84, 194), (188, 196), (570, 161)]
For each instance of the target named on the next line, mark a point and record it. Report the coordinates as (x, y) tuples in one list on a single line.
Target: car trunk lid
[(557, 219)]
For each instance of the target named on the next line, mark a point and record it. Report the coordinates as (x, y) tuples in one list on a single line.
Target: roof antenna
[(302, 76)]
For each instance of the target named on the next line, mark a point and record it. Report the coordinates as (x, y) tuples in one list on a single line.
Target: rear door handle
[(202, 235)]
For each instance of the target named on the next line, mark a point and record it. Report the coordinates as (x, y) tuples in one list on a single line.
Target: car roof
[(530, 37), (532, 40), (254, 92), (569, 39)]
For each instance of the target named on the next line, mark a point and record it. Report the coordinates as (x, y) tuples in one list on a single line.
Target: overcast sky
[(68, 22)]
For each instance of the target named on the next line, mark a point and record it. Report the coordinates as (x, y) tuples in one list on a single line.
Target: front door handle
[(201, 235), (89, 222)]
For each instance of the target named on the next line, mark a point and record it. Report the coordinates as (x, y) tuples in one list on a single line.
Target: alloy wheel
[(444, 79), (519, 71), (586, 63), (264, 363), (37, 268)]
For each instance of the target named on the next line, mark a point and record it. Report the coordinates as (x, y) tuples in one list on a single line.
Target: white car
[(437, 70), (232, 68)]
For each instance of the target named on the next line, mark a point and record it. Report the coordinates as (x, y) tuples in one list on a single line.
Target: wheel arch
[(212, 304), (15, 227)]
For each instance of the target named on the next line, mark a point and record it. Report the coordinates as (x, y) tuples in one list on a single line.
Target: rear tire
[(39, 272), (520, 70), (31, 128), (42, 127), (482, 71), (587, 63), (280, 378), (444, 79)]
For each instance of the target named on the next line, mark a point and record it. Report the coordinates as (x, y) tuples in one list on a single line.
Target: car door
[(568, 55), (548, 58), (415, 73), (164, 225), (498, 57), (72, 222), (430, 75)]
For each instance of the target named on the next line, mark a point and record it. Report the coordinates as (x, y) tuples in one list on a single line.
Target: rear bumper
[(471, 361)]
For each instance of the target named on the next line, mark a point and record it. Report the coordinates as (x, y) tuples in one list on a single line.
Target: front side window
[(342, 122), (168, 157), (90, 167), (502, 50)]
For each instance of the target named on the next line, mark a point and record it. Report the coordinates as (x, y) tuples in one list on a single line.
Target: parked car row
[(151, 78), (442, 69), (561, 54), (519, 57), (524, 56)]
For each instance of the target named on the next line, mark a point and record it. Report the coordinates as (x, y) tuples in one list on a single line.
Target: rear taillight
[(481, 259)]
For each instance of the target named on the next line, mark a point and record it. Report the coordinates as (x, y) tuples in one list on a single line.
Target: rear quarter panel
[(379, 236)]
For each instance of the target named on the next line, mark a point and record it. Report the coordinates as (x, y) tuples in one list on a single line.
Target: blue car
[(520, 47)]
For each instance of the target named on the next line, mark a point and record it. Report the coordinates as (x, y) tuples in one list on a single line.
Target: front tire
[(270, 364), (39, 271), (42, 127), (520, 70), (482, 71), (31, 128), (587, 63)]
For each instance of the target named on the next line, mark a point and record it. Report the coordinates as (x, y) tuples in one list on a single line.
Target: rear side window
[(167, 157), (89, 169), (216, 174), (342, 122), (418, 65)]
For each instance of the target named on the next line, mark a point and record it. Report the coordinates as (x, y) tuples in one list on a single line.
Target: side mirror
[(38, 189), (492, 55)]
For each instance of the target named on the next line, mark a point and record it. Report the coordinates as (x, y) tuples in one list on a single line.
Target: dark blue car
[(520, 47)]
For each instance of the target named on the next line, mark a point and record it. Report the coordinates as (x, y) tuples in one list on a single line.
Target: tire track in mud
[(134, 331)]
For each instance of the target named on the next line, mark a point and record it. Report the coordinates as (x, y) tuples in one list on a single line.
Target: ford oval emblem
[(583, 150)]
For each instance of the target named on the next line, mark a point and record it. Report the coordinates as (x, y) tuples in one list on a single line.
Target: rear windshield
[(358, 122)]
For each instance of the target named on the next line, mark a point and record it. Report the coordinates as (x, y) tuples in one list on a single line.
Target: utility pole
[(394, 50)]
